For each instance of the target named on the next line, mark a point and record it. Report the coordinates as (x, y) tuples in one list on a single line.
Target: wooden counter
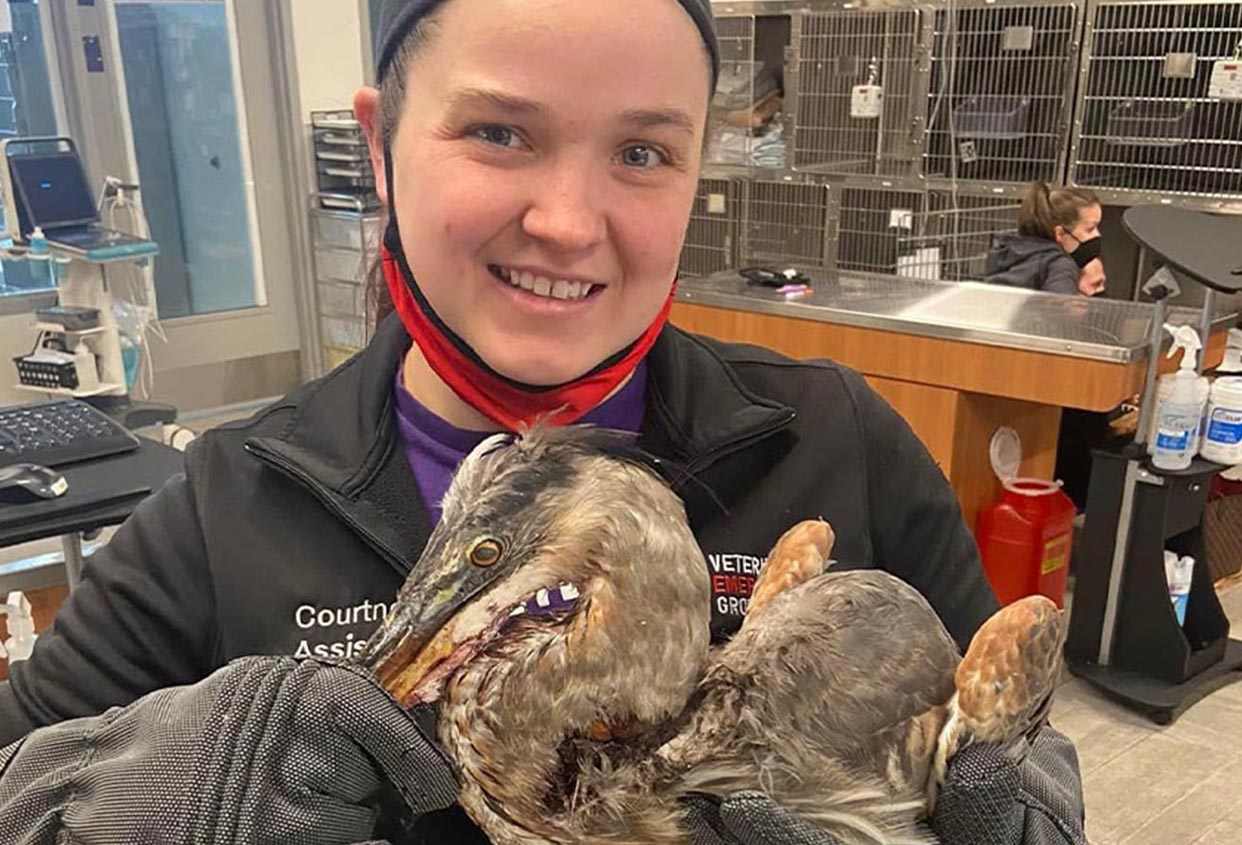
[(953, 393)]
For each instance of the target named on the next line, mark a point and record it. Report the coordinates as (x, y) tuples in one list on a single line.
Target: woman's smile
[(544, 293)]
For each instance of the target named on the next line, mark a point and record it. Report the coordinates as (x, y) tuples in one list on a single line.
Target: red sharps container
[(1025, 540)]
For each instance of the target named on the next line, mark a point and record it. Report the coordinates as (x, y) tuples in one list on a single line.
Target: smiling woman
[(539, 206)]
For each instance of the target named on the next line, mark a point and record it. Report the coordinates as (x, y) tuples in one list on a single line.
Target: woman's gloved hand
[(749, 818), (990, 797), (266, 750), (987, 798)]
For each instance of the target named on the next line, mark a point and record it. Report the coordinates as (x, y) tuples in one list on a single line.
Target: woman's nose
[(566, 211)]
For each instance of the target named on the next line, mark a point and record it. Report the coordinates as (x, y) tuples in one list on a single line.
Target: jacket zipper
[(295, 473), (702, 462)]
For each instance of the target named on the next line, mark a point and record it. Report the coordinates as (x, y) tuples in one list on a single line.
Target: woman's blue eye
[(642, 156), (500, 136)]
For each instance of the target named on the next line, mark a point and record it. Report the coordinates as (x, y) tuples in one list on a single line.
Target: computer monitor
[(52, 191)]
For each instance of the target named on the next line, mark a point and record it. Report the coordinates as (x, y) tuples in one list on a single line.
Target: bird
[(558, 621)]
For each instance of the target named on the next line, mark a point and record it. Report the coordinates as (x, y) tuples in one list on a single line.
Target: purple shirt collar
[(435, 448)]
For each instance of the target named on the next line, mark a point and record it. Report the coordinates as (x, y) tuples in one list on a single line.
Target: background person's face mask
[(1087, 251)]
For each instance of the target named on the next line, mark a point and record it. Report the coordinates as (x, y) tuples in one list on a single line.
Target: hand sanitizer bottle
[(41, 254), (1179, 415)]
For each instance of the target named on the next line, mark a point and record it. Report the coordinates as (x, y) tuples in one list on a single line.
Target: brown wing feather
[(798, 556), (1010, 671)]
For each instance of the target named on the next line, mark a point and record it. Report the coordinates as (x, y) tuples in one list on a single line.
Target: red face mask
[(508, 403)]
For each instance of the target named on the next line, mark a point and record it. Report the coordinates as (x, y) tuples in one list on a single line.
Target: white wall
[(327, 38)]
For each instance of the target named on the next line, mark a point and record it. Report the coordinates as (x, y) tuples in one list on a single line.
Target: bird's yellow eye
[(486, 552)]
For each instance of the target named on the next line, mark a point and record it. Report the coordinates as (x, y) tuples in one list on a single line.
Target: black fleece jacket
[(290, 532)]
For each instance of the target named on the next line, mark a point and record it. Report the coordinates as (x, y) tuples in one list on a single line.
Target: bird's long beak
[(417, 636)]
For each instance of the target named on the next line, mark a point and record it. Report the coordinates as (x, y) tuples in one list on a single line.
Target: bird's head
[(567, 563)]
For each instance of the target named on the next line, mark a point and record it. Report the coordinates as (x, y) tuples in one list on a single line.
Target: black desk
[(101, 493), (1205, 247)]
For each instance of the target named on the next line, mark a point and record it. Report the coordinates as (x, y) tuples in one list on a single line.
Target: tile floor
[(1151, 785)]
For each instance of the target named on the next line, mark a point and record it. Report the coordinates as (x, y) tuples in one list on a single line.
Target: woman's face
[(1087, 228), (544, 169)]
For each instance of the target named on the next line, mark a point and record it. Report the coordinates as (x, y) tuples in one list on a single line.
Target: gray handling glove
[(749, 818), (266, 750), (988, 799)]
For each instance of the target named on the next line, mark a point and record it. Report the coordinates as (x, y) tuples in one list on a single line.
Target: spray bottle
[(1179, 414)]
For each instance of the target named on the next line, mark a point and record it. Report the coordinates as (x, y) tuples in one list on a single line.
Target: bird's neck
[(521, 784)]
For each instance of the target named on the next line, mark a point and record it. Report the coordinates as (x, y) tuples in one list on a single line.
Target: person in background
[(1057, 246), (1057, 249)]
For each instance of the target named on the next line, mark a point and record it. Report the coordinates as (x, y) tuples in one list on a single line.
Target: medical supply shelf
[(1124, 637), (343, 169)]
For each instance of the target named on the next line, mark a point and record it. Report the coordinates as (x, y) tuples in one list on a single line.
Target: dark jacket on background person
[(1026, 261), (292, 531)]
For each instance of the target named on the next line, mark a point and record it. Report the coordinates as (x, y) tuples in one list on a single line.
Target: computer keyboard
[(57, 433)]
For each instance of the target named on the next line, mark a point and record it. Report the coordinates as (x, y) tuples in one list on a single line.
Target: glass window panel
[(26, 108), (185, 114)]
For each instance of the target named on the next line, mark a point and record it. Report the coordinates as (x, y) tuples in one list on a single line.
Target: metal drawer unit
[(711, 239), (1147, 129), (346, 246), (342, 162), (1000, 96)]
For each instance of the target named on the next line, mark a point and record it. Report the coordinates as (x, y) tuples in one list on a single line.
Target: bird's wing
[(798, 556), (830, 702), (1006, 680), (1004, 685)]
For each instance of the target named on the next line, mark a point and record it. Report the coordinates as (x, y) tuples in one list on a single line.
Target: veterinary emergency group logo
[(733, 580)]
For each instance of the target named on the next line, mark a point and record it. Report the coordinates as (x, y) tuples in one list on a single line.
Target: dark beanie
[(398, 17)]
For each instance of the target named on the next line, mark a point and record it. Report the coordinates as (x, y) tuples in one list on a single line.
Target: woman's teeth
[(548, 288)]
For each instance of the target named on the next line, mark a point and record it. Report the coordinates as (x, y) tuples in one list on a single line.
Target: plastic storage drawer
[(1146, 124), (335, 356), (1002, 118), (348, 332), (336, 265), (345, 230), (337, 300)]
